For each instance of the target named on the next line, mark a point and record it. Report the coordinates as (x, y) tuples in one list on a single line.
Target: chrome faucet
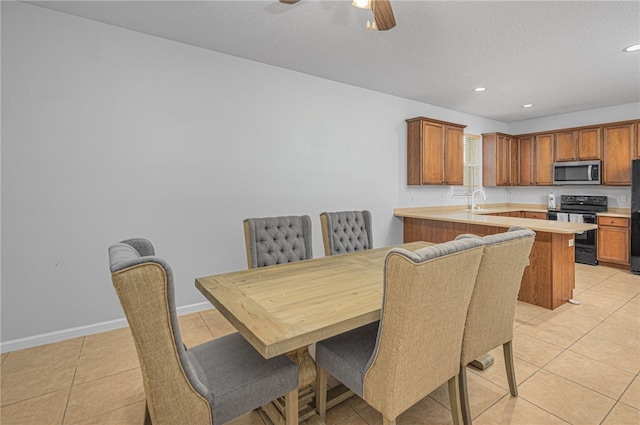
[(473, 198)]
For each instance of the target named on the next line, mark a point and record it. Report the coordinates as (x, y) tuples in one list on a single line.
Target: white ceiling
[(560, 56)]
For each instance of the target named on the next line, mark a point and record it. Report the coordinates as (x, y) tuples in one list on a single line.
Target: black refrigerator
[(635, 216)]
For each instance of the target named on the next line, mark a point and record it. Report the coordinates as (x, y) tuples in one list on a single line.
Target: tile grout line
[(66, 405)]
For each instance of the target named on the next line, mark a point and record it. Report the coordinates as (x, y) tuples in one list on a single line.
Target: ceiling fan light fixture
[(362, 4), (632, 48)]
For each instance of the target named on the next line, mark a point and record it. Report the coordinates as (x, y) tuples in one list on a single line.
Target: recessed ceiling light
[(480, 89), (632, 48), (528, 105)]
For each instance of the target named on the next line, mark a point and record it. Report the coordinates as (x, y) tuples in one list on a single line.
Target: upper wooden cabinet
[(619, 144), (535, 157), (566, 146), (543, 164), (434, 152), (577, 144), (525, 160), (589, 144), (638, 140), (499, 160)]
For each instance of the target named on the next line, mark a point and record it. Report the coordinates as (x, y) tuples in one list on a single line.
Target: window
[(472, 162)]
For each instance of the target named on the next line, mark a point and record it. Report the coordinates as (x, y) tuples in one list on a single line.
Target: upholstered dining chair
[(493, 304), (415, 347), (346, 231), (276, 240), (211, 383)]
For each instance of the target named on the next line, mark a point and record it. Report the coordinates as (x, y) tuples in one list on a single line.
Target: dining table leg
[(306, 394)]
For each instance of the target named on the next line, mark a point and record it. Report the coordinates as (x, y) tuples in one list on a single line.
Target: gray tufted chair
[(277, 240), (346, 231), (211, 383)]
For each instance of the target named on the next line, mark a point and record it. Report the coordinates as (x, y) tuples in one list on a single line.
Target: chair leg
[(147, 415), (386, 421), (464, 396), (454, 400), (291, 407), (321, 392), (507, 348)]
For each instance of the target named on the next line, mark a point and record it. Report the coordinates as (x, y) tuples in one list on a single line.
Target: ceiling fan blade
[(383, 14), (289, 1)]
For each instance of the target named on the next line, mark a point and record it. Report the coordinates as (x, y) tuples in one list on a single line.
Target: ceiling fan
[(381, 9)]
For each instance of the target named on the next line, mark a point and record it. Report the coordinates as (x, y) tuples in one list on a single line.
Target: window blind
[(472, 161)]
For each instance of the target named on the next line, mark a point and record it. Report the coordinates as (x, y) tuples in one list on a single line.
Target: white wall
[(109, 134)]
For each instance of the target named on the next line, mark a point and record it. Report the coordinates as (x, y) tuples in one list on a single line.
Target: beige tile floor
[(577, 365)]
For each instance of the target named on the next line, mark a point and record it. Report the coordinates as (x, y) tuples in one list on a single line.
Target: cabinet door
[(503, 161), (613, 244), (543, 166), (432, 153), (513, 158), (454, 156), (589, 144), (565, 146), (618, 142), (525, 159), (638, 140), (535, 215)]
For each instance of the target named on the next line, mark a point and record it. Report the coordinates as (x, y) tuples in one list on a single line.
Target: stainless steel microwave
[(577, 172)]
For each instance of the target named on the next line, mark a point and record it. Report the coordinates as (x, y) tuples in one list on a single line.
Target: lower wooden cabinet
[(535, 215), (613, 240)]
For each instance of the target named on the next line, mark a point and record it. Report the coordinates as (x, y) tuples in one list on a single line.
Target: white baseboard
[(57, 336)]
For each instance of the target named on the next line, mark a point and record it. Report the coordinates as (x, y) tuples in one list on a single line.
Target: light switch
[(570, 242)]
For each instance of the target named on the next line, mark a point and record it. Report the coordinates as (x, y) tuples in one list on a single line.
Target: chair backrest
[(277, 240), (346, 231), (493, 303), (425, 302), (144, 284)]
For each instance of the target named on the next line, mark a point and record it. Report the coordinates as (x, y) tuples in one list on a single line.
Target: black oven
[(582, 209), (585, 242)]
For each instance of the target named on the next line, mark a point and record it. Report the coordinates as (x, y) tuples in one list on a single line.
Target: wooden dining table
[(285, 308)]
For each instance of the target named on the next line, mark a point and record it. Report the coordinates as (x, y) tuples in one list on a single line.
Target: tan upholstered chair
[(276, 240), (424, 307), (211, 383), (493, 304), (346, 231)]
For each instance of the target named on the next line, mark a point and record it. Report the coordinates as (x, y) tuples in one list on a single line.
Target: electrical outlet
[(442, 196), (510, 195), (546, 196), (624, 198), (413, 198), (570, 242)]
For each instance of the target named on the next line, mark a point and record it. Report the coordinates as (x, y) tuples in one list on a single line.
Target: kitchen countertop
[(483, 217)]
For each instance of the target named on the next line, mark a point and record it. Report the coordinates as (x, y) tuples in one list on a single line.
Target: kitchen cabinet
[(613, 240), (434, 152), (535, 155), (589, 144), (543, 162), (537, 215), (565, 146), (525, 160), (619, 143), (577, 144), (638, 140), (499, 160)]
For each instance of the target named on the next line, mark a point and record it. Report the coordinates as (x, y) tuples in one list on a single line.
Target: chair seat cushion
[(346, 356), (238, 377)]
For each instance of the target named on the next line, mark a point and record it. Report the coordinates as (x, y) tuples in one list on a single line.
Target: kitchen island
[(550, 278)]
